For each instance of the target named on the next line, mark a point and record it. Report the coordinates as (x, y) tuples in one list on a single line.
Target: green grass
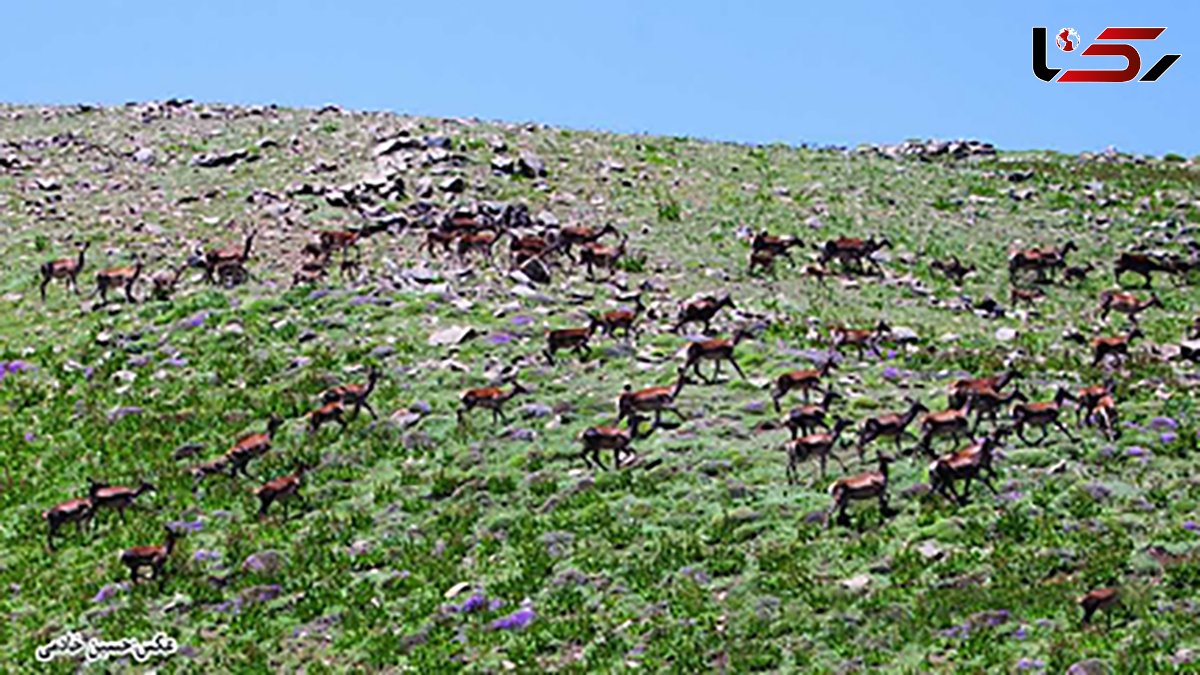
[(707, 560)]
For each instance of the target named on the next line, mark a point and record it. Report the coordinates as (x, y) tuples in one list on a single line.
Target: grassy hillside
[(423, 542)]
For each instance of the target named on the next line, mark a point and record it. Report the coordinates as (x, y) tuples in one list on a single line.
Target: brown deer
[(961, 390), (1039, 260), (953, 268), (701, 310), (971, 463), (952, 422), (803, 380), (632, 403), (489, 398), (164, 282), (599, 438), (333, 411), (619, 319), (155, 557), (575, 339), (596, 255), (1087, 397), (988, 402), (1141, 264), (892, 425), (66, 269), (1098, 600), (576, 235), (118, 278), (104, 496), (861, 487), (861, 339), (78, 511), (819, 445), (1041, 415), (717, 351), (354, 394), (851, 252), (251, 446), (1103, 347), (1127, 304), (214, 258), (806, 418), (283, 490)]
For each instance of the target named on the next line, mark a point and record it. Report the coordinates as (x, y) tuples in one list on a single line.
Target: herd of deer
[(465, 234)]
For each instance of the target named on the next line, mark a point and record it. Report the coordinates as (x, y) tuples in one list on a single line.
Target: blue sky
[(841, 72)]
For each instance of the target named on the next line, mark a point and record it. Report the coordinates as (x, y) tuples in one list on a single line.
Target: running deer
[(1118, 346), (217, 465), (862, 487), (619, 319), (78, 511), (861, 339), (216, 257), (283, 490), (763, 259), (953, 268), (475, 242), (118, 278), (1029, 296), (971, 463), (251, 446), (333, 411), (988, 402), (717, 351), (354, 394), (1078, 273), (490, 398), (164, 282), (599, 438), (1099, 600), (1041, 415), (952, 422), (154, 557), (1141, 264), (1087, 397), (1039, 260), (777, 245), (104, 496), (1105, 416), (701, 310), (803, 380), (66, 269), (574, 339), (894, 425), (582, 235), (605, 257), (1127, 304), (821, 445), (632, 403), (806, 418), (961, 390), (851, 252)]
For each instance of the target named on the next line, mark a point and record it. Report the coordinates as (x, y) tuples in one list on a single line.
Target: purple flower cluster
[(10, 367), (186, 526), (109, 591), (515, 621), (1031, 664)]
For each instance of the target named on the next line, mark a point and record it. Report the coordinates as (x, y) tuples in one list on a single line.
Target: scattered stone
[(531, 166), (451, 336)]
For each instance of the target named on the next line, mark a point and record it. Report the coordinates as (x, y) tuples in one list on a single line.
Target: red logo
[(1067, 40)]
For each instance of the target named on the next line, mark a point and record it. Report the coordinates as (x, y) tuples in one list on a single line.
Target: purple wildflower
[(1136, 451), (1191, 525), (203, 555), (17, 366), (30, 437), (108, 592), (495, 604), (891, 354), (88, 372), (522, 320), (473, 604), (196, 320), (891, 373), (1167, 437), (1031, 664), (118, 413), (175, 362), (500, 338), (181, 525), (1159, 423), (1019, 633), (515, 621)]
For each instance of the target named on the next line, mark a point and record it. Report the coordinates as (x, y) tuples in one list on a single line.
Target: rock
[(144, 156), (392, 145), (1006, 334), (856, 582), (210, 160), (451, 336), (531, 166), (929, 550), (454, 184), (536, 410), (503, 164), (267, 561), (1089, 667)]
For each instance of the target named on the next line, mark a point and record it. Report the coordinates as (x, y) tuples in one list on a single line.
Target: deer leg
[(1062, 427), (121, 513), (549, 356)]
